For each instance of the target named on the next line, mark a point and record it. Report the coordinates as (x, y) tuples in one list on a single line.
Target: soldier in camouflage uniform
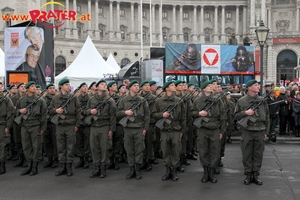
[(6, 121), (50, 145), (135, 130), (171, 134), (253, 136), (83, 149), (102, 128), (32, 127), (67, 127)]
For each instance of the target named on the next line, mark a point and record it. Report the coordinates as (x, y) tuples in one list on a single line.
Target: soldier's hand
[(221, 136), (129, 112), (110, 135), (166, 114), (203, 113), (23, 111), (249, 112), (94, 111), (59, 110), (6, 131), (266, 137), (180, 136), (42, 133), (75, 129), (144, 133)]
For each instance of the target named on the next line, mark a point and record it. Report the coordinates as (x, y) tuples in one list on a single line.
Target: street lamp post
[(261, 34)]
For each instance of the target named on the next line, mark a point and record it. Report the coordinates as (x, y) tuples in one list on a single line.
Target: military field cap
[(22, 83), (63, 81), (190, 84), (49, 85), (29, 84), (101, 81), (120, 86), (152, 82), (158, 87), (82, 84), (92, 84), (212, 81), (132, 82), (111, 83), (167, 84), (251, 82), (205, 84), (177, 82), (143, 83), (11, 86), (38, 86)]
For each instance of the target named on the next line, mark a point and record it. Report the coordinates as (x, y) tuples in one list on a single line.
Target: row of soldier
[(96, 124)]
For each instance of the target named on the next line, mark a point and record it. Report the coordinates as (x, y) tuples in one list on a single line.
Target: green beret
[(63, 81), (143, 83), (251, 82), (183, 81), (92, 84), (177, 82), (22, 83), (82, 84), (167, 84), (11, 86), (38, 86), (76, 90), (1, 83), (29, 84), (132, 82), (158, 87), (49, 85), (152, 82), (212, 81), (44, 90), (111, 83), (205, 84), (101, 81), (120, 86), (5, 90), (190, 84)]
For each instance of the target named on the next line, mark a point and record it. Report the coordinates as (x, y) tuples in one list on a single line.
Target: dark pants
[(209, 147), (83, 141), (272, 124), (50, 145), (32, 143), (17, 138), (171, 147), (282, 123), (99, 144), (149, 140), (134, 145), (190, 139), (4, 140), (65, 139), (252, 145), (118, 143)]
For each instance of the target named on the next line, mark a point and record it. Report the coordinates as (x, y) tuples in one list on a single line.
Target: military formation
[(106, 124)]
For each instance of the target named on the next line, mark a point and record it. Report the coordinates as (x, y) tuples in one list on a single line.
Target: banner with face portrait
[(26, 48)]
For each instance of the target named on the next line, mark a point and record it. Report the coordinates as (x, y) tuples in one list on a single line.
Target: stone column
[(269, 19), (216, 35), (139, 21), (202, 40), (154, 30), (252, 17), (111, 28), (160, 26), (89, 29), (223, 25), (53, 20), (263, 11), (237, 24), (297, 19), (244, 19), (97, 35), (174, 30), (75, 30), (132, 31), (180, 30), (67, 29), (195, 33), (118, 22)]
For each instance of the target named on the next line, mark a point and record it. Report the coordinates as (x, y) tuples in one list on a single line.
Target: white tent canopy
[(112, 62), (2, 64), (87, 67)]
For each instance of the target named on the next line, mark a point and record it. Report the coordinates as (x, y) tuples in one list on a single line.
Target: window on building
[(282, 2), (164, 15), (228, 15), (78, 9), (165, 32), (79, 29), (123, 35), (122, 13), (207, 37), (124, 62), (186, 36), (8, 22), (60, 65), (144, 14), (100, 11), (185, 15), (207, 15), (123, 32), (144, 36)]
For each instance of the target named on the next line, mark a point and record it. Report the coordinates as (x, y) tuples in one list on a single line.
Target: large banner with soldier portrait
[(26, 49), (209, 59)]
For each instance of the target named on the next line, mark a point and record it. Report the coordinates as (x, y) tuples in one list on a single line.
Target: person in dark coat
[(296, 114), (273, 114), (283, 111)]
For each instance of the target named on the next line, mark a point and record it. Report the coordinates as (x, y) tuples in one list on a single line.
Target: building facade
[(128, 29)]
